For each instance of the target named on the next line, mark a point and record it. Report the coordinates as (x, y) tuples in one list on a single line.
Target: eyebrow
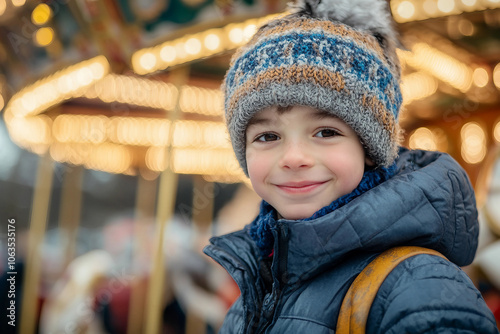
[(259, 120), (322, 114), (317, 114)]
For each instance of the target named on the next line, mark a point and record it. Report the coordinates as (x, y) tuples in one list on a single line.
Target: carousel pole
[(165, 206), (38, 224), (203, 211), (144, 210), (70, 210)]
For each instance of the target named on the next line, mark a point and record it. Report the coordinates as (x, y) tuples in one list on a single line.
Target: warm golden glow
[(201, 101), (437, 63), (3, 7), (167, 53), (156, 159), (32, 133), (249, 30), (430, 7), (102, 143), (107, 157), (480, 77), (44, 36), (417, 86), (147, 60), (227, 178), (200, 161), (429, 139), (80, 128), (41, 14), (78, 139), (2, 102), (406, 9), (110, 157), (469, 3), (473, 140), (139, 131), (83, 81), (236, 35), (135, 91), (496, 76), (180, 50), (196, 46), (212, 41), (55, 88), (18, 3), (446, 6), (496, 131), (423, 138), (193, 46), (465, 27), (111, 144), (217, 163)]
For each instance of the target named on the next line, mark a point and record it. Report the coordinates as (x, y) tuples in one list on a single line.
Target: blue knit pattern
[(261, 228), (359, 65)]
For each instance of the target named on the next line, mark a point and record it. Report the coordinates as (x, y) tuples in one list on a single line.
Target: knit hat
[(337, 56)]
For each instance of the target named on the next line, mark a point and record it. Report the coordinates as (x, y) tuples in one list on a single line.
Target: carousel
[(113, 111)]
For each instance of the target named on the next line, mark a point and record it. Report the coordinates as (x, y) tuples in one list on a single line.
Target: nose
[(295, 156)]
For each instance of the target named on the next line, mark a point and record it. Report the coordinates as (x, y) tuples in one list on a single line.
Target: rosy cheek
[(253, 163)]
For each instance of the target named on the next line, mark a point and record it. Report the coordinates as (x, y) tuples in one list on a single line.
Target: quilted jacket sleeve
[(427, 294)]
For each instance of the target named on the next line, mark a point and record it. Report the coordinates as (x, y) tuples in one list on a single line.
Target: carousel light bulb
[(473, 148), (41, 14), (446, 6), (18, 3), (496, 132), (469, 3), (406, 9), (423, 138), (249, 31), (430, 7), (236, 35), (147, 61), (193, 46), (480, 77), (3, 6), (496, 76), (44, 36), (167, 53), (212, 42)]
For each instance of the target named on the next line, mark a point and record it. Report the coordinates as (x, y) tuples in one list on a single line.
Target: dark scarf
[(261, 228)]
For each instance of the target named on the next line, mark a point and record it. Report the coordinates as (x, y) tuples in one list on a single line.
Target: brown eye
[(327, 133), (267, 137)]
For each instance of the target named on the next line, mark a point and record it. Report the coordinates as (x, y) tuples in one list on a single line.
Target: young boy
[(312, 104)]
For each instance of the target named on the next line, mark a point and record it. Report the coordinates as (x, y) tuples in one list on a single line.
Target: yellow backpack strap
[(359, 298)]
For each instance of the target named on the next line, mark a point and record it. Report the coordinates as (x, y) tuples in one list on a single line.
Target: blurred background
[(115, 167)]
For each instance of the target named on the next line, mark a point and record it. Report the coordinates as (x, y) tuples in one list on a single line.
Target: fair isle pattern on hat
[(300, 60)]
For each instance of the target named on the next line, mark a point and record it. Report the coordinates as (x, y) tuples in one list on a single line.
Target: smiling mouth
[(300, 187)]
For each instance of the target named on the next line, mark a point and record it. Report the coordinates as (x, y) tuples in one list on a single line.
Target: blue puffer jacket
[(429, 203)]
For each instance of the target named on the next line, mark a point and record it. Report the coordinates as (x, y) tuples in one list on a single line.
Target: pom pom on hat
[(338, 56), (367, 15)]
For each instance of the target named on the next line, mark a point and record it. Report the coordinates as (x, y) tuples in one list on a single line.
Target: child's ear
[(369, 162)]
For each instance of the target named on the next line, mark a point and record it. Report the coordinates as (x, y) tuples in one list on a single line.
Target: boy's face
[(302, 159)]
